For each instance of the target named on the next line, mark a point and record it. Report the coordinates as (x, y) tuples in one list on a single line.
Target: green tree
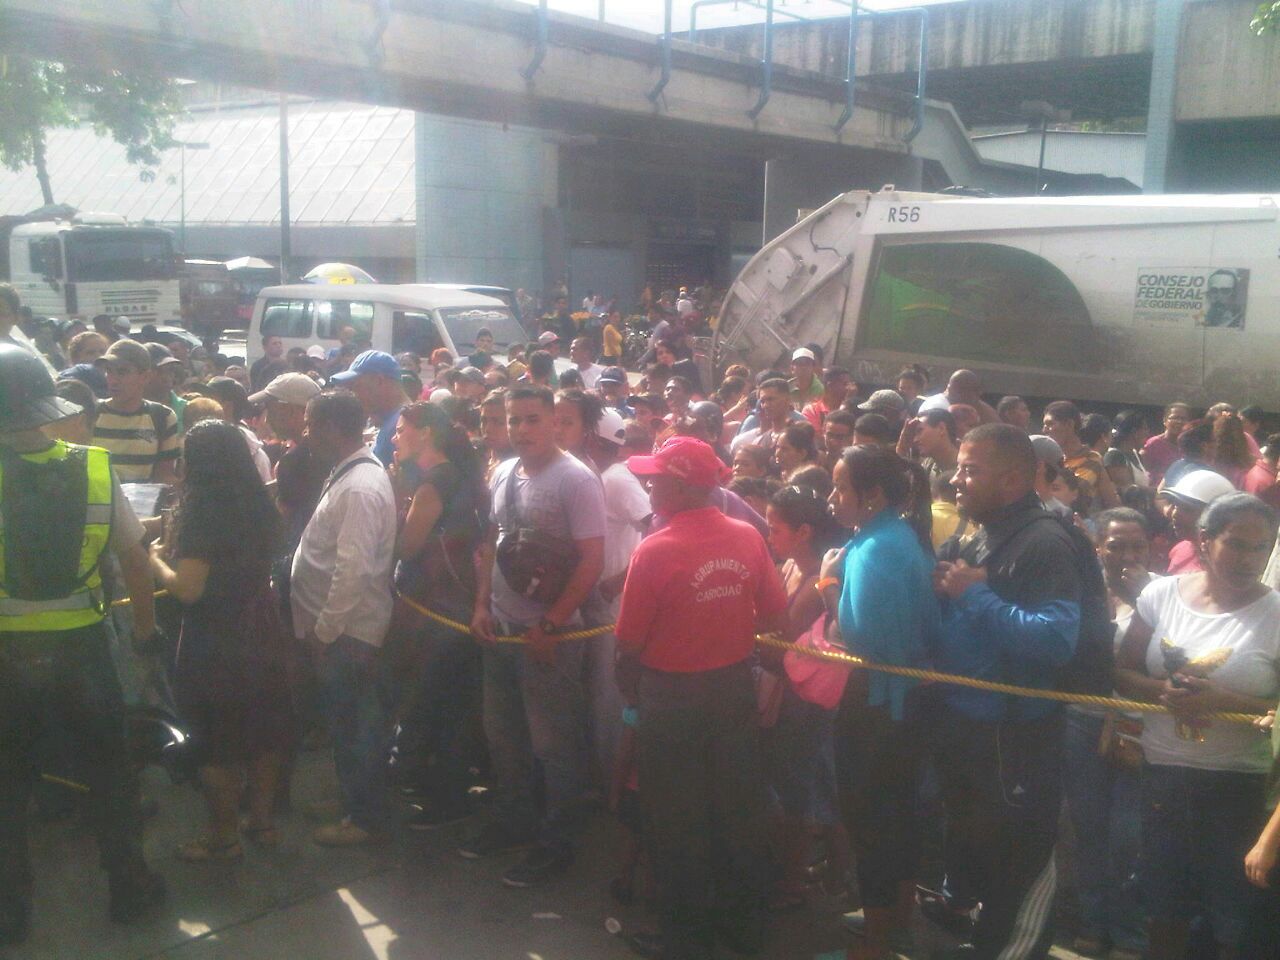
[(36, 96), (1267, 18)]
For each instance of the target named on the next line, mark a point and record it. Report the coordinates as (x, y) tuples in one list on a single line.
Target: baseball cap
[(685, 458), (1199, 487), (121, 326), (612, 375), (91, 376), (160, 355), (1047, 450), (227, 390), (548, 336), (612, 427), (371, 361), (129, 353), (803, 353), (472, 374), (294, 389), (883, 400), (316, 352)]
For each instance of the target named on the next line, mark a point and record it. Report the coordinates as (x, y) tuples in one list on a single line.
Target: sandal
[(267, 836), (203, 850)]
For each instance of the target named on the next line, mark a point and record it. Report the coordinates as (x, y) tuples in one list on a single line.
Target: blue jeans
[(1197, 826), (355, 705), (535, 710), (1105, 804)]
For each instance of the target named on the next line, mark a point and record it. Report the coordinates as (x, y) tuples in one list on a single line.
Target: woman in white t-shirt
[(1204, 643)]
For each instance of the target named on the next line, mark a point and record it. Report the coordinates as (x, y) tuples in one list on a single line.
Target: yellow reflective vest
[(85, 605)]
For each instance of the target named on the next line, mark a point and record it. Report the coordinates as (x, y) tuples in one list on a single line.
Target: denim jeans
[(536, 710), (1105, 803), (355, 705), (1197, 826)]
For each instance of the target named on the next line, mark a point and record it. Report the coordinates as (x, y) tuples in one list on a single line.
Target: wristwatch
[(546, 626)]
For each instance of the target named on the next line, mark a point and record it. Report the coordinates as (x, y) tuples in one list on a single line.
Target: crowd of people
[(357, 534)]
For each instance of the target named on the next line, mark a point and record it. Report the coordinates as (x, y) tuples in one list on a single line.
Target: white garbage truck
[(1124, 299), (93, 264)]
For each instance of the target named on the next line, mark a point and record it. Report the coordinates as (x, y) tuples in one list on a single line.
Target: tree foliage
[(1267, 18), (36, 96)]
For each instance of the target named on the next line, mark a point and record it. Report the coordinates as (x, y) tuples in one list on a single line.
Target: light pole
[(183, 146)]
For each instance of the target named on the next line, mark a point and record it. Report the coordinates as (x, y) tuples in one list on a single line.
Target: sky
[(647, 14)]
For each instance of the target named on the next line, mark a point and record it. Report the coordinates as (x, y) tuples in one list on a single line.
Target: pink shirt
[(1159, 454)]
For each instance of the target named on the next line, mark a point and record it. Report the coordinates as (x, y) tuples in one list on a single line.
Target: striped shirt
[(139, 440)]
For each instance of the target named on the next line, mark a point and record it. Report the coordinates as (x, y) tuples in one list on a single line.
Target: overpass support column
[(1161, 120)]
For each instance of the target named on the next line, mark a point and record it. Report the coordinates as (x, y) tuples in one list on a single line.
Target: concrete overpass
[(484, 59), (985, 56)]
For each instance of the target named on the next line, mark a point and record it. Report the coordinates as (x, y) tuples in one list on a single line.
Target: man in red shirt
[(697, 592), (1160, 452), (1261, 480)]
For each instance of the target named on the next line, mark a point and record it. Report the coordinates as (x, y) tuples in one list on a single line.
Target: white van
[(395, 318)]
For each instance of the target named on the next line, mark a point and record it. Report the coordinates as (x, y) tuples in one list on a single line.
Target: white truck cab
[(95, 264)]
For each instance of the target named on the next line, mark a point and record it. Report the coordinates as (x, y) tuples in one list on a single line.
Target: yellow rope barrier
[(849, 660)]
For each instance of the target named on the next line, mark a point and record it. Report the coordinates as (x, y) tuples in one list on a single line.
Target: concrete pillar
[(1161, 121)]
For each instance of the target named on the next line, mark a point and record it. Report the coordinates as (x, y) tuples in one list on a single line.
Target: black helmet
[(710, 414), (27, 397)]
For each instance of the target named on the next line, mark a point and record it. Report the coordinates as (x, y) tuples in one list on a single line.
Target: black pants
[(1002, 787), (64, 681), (878, 764), (441, 737), (702, 787)]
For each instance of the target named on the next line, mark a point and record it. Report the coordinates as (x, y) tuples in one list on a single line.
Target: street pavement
[(411, 898)]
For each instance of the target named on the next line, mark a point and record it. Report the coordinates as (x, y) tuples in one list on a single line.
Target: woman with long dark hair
[(230, 672), (799, 747), (441, 478), (881, 587)]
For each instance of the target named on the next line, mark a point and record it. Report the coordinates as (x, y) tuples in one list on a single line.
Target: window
[(977, 301), (97, 254), (46, 257), (415, 332), (287, 318), (463, 322), (333, 315)]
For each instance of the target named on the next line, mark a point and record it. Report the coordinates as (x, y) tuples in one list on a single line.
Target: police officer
[(60, 510)]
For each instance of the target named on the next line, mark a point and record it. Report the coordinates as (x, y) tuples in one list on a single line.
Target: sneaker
[(543, 862), (491, 839), (344, 833), (900, 941), (422, 817), (940, 911), (134, 894)]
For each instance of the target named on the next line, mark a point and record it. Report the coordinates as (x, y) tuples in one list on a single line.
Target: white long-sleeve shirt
[(341, 581)]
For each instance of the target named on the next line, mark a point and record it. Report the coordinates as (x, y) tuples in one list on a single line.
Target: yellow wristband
[(821, 585)]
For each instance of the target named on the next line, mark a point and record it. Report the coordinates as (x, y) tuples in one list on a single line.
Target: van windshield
[(127, 254), (463, 322)]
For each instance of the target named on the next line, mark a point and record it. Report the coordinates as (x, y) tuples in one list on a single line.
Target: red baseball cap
[(686, 458)]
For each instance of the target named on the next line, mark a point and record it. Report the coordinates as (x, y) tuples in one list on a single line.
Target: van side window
[(333, 315), (287, 318), (46, 257), (414, 332)]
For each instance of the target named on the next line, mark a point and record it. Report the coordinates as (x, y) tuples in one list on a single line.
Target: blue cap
[(371, 361), (90, 376), (612, 375)]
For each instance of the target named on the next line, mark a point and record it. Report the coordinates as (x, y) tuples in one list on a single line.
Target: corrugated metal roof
[(348, 163), (1071, 151)]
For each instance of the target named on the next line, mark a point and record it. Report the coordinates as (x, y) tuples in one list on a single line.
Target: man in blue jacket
[(1011, 613)]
